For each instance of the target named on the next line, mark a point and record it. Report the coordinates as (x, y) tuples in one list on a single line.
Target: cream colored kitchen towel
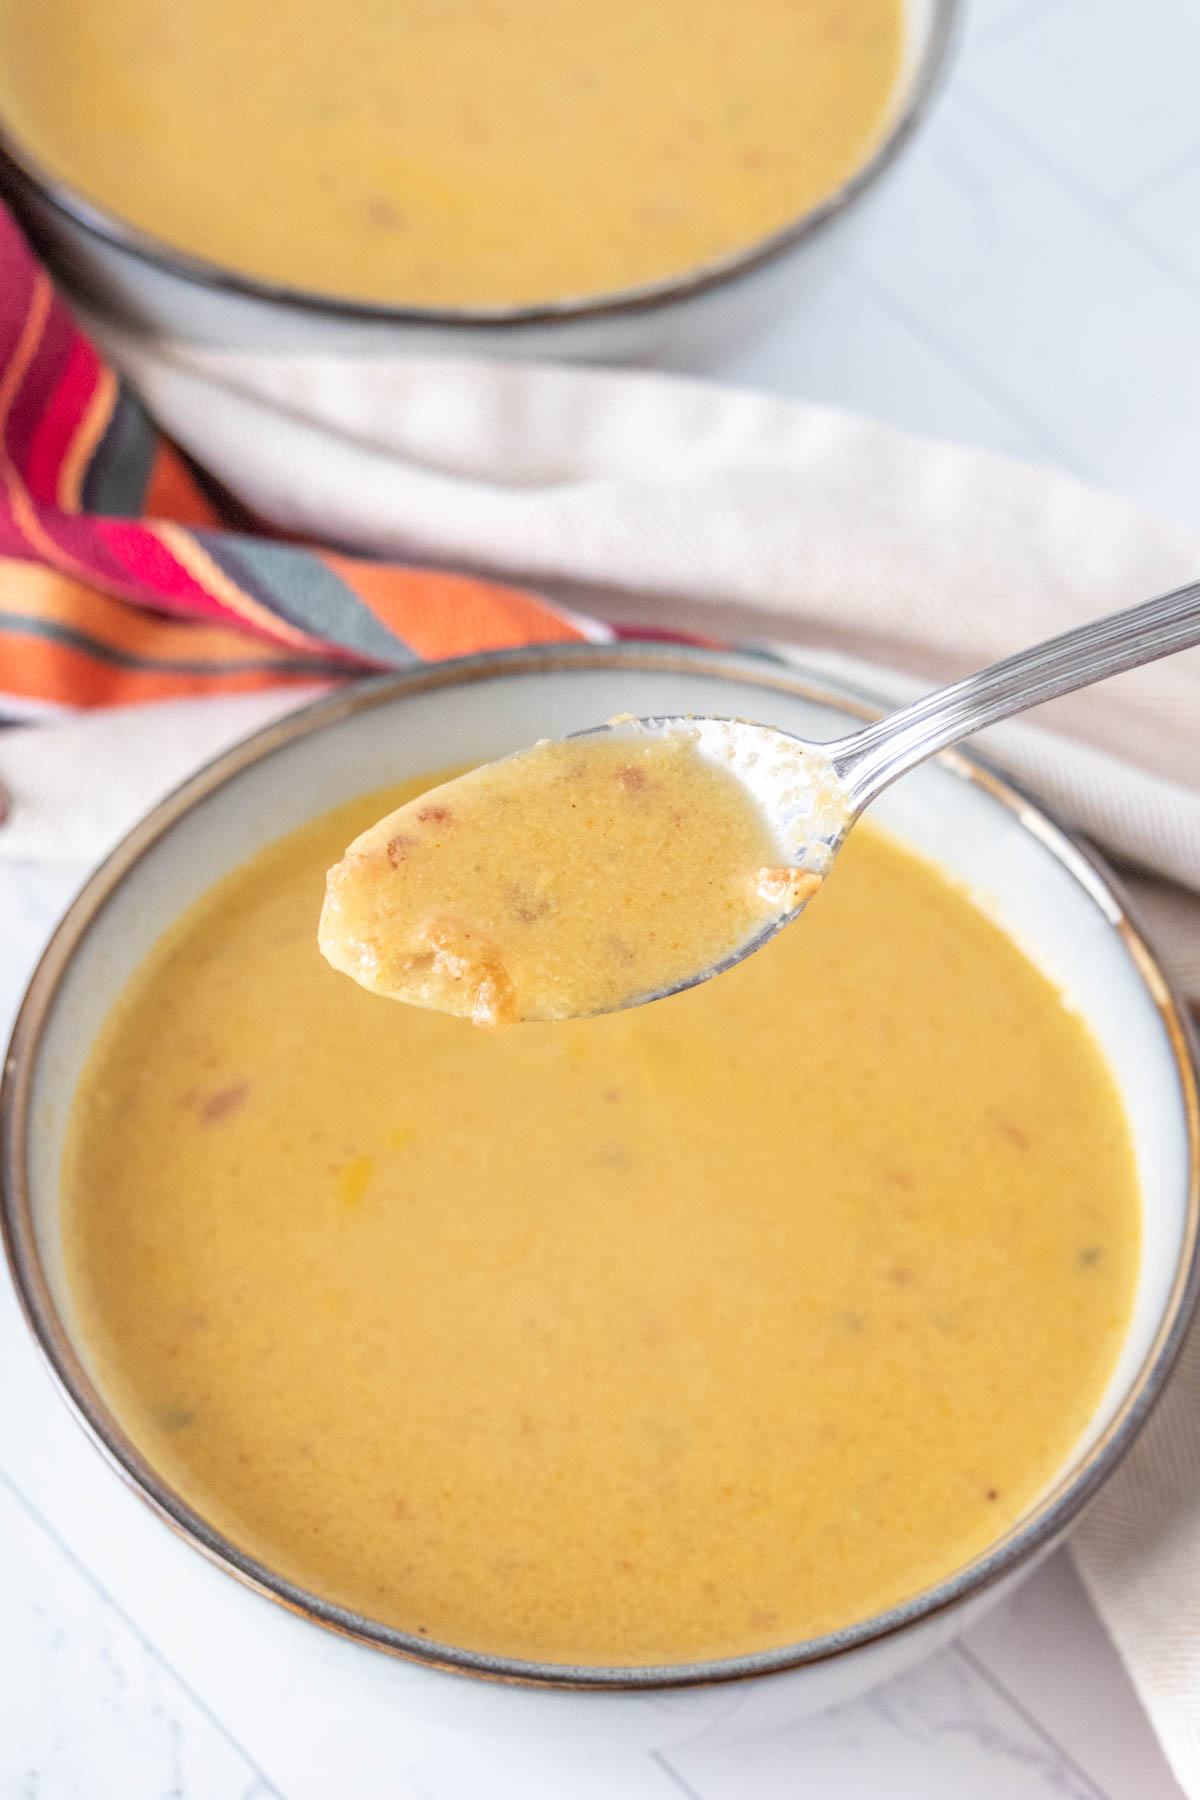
[(646, 499)]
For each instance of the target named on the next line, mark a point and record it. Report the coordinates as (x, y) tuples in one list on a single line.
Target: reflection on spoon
[(646, 855)]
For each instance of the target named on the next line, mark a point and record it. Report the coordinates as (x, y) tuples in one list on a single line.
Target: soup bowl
[(124, 276), (1051, 897)]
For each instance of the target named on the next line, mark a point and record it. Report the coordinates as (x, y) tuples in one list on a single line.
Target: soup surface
[(677, 1333), (571, 878), (452, 152)]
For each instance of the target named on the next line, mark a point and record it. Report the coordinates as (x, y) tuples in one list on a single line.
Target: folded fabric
[(637, 499)]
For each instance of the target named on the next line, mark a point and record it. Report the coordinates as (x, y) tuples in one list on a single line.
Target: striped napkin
[(188, 575), (126, 575)]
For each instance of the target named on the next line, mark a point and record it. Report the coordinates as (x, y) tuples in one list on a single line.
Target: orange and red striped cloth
[(126, 576)]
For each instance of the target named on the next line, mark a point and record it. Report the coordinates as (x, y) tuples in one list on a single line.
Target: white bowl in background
[(123, 276)]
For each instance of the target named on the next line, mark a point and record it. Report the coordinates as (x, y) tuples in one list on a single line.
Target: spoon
[(553, 884), (813, 793)]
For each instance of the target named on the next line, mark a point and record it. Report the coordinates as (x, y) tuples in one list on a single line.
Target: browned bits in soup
[(786, 888), (452, 155), (678, 1333), (556, 883), (223, 1102), (398, 847)]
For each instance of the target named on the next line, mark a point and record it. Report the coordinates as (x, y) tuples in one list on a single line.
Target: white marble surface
[(1030, 281)]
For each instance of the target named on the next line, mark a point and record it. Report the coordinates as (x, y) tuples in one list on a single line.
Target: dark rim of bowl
[(1037, 1531), (23, 179)]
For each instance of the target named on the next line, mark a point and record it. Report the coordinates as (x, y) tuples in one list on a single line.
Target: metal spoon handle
[(871, 758)]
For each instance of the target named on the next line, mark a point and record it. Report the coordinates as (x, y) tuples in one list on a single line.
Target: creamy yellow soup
[(452, 152), (574, 877), (677, 1333)]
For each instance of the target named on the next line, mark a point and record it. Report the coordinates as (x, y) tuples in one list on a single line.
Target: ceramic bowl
[(121, 275), (1051, 896)]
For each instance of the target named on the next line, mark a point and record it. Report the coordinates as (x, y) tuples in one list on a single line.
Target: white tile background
[(1029, 281)]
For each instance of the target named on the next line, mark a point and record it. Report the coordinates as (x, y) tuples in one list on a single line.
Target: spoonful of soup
[(640, 857)]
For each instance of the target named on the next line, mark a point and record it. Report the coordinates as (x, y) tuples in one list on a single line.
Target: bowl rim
[(23, 177), (1035, 1532)]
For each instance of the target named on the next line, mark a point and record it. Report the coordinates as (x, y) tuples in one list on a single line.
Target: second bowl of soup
[(532, 177)]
